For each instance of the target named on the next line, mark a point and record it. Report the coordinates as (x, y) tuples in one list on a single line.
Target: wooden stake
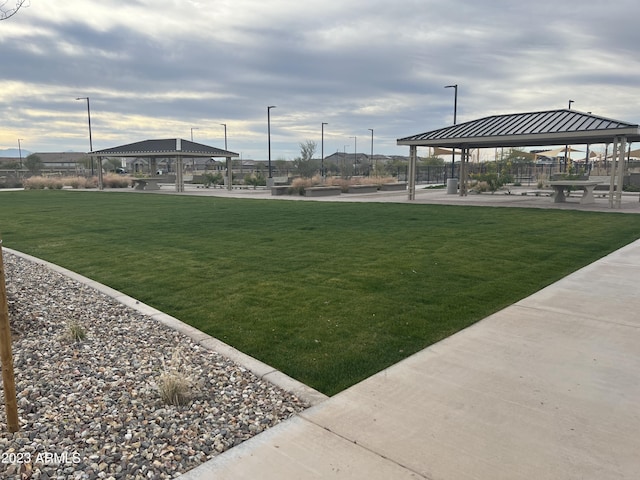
[(6, 356)]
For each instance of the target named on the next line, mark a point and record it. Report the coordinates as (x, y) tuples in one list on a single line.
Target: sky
[(176, 68)]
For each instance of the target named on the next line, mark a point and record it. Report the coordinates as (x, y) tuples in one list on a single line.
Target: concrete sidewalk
[(514, 197), (548, 388)]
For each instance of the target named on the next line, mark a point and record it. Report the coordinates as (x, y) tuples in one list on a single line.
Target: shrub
[(112, 180), (76, 182), (298, 185), (255, 180), (175, 384), (35, 183), (74, 332), (54, 183), (212, 179)]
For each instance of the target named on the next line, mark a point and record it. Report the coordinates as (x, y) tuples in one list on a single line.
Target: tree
[(113, 163), (305, 164), (33, 163), (7, 11)]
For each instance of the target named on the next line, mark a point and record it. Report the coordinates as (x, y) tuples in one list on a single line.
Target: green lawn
[(329, 293)]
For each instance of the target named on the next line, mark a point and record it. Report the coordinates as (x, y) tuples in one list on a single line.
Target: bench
[(393, 186), (146, 183), (587, 186), (279, 189), (362, 189), (321, 191)]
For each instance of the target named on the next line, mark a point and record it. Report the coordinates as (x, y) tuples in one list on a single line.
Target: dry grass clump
[(175, 385), (77, 182), (35, 183), (74, 332), (112, 180)]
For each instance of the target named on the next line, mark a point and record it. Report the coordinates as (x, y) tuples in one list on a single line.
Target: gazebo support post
[(413, 154), (179, 177), (621, 167), (612, 170), (230, 174), (100, 179)]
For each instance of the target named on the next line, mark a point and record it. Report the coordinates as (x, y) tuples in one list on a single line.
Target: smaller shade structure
[(177, 148)]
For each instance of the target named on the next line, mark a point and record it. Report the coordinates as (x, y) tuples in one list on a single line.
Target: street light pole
[(566, 147), (90, 140), (322, 151), (20, 152), (225, 134), (371, 130), (355, 153), (269, 134), (455, 114)]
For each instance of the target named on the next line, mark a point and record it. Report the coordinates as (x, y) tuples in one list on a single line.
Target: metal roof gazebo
[(177, 148), (552, 127)]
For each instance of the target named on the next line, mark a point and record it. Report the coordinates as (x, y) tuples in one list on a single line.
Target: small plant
[(75, 333), (212, 179), (174, 389), (175, 385)]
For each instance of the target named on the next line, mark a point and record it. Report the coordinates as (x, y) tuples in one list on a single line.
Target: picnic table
[(146, 183), (587, 186)]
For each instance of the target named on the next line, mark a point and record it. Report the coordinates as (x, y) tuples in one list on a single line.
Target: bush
[(175, 384), (35, 183), (112, 180), (77, 182), (74, 333), (212, 179), (255, 180)]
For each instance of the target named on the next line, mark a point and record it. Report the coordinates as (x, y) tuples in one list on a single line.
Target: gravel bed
[(92, 408)]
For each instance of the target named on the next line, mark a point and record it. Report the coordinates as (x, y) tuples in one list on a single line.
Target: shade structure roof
[(169, 147), (552, 127)]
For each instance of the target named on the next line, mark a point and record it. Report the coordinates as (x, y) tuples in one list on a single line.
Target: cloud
[(159, 68)]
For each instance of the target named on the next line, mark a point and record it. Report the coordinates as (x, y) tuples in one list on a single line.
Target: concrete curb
[(258, 368)]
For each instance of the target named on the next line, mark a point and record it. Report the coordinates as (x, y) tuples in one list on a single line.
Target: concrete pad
[(299, 450)]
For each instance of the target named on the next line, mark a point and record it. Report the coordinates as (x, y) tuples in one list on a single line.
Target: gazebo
[(177, 148), (552, 127)]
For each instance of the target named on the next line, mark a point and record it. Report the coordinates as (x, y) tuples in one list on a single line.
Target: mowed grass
[(329, 293)]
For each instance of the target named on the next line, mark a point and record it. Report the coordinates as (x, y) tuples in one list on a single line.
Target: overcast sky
[(160, 68)]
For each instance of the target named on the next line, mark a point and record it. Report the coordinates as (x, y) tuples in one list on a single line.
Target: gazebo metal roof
[(170, 147), (552, 127)]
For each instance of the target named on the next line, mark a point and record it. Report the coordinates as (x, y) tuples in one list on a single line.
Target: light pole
[(20, 151), (269, 134), (322, 151), (566, 147), (192, 129), (90, 140), (225, 134), (371, 130), (455, 114), (355, 153)]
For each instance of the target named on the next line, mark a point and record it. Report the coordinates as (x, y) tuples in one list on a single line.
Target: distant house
[(64, 162)]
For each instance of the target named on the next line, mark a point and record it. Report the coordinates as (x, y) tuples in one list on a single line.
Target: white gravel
[(92, 409)]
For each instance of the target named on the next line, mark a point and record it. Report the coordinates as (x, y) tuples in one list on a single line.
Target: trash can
[(452, 186)]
